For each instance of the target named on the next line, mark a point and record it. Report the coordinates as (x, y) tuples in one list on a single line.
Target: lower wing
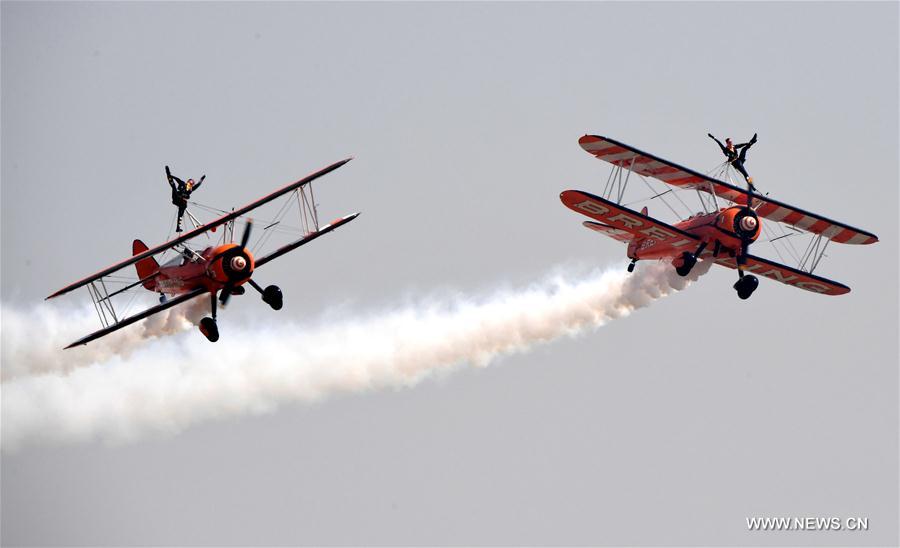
[(188, 296), (614, 233), (784, 274), (138, 317)]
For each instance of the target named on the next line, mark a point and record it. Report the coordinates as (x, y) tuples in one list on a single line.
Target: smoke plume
[(118, 393), (32, 340)]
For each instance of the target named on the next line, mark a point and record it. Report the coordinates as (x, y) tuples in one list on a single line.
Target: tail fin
[(145, 267)]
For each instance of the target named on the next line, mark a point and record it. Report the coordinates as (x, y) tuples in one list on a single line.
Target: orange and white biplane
[(218, 269), (721, 232)]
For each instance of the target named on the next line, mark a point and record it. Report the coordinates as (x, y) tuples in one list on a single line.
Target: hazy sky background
[(668, 427)]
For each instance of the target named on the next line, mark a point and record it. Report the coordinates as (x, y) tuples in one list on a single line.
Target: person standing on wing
[(737, 155), (181, 193)]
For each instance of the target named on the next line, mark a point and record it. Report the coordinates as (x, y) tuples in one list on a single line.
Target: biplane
[(722, 232), (219, 270)]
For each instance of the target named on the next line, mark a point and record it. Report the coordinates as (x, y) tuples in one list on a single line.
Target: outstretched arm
[(198, 183), (169, 178), (718, 142)]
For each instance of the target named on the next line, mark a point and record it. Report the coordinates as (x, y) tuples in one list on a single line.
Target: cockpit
[(185, 256)]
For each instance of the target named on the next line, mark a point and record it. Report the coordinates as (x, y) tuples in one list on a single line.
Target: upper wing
[(648, 165), (784, 274), (137, 317), (304, 240), (201, 229), (616, 217)]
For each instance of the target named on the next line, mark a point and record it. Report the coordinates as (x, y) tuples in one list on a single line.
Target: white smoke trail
[(174, 383), (32, 341)]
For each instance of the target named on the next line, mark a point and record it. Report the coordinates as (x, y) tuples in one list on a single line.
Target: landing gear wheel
[(746, 285), (272, 296), (631, 265), (209, 329), (688, 260)]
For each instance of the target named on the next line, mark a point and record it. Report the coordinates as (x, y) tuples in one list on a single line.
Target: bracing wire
[(660, 196), (284, 228), (267, 234), (772, 241)]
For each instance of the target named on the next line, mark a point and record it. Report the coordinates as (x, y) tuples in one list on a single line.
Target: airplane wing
[(201, 229), (648, 165), (137, 317), (614, 233), (615, 217), (304, 240), (784, 274)]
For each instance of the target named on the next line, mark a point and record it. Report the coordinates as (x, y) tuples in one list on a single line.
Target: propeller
[(747, 224), (245, 237), (237, 262)]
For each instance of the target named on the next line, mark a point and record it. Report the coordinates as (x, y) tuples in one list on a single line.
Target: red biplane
[(220, 269), (720, 233)]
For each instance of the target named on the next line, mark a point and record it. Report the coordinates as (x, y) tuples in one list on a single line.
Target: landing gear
[(271, 295), (209, 329), (208, 325), (631, 266), (746, 285), (688, 260)]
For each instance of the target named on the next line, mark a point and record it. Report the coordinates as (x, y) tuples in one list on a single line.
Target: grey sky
[(668, 427)]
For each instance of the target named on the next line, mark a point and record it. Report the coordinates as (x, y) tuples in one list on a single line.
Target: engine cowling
[(231, 263), (741, 222)]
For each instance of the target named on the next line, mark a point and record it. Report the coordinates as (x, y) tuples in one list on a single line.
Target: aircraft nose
[(238, 263)]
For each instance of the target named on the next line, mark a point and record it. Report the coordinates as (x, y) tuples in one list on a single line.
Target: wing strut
[(100, 298)]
